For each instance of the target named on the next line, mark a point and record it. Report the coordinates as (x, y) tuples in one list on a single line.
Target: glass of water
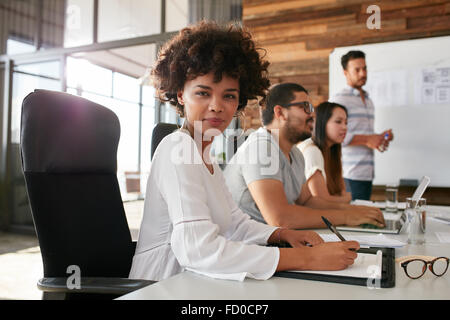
[(417, 216), (391, 198)]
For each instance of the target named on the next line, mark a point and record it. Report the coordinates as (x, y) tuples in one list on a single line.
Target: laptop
[(394, 221)]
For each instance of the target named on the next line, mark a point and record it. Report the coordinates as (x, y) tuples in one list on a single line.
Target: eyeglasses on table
[(416, 266)]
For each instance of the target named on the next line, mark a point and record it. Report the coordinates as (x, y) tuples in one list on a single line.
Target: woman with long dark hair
[(322, 153)]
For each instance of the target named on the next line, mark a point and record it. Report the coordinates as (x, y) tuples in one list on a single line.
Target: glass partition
[(120, 19), (79, 28), (116, 85), (26, 78), (177, 14), (94, 65), (14, 46)]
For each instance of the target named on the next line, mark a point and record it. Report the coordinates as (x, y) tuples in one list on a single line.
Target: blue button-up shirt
[(357, 161)]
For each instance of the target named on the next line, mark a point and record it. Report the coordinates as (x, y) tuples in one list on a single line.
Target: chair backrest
[(69, 158), (160, 130)]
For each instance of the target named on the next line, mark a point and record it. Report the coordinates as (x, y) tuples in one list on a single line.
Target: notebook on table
[(374, 267)]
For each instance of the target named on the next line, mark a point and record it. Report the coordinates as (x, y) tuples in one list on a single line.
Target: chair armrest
[(100, 285)]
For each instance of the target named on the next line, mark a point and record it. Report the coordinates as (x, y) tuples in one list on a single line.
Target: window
[(122, 19), (121, 94), (148, 122), (17, 47), (47, 69), (128, 150), (79, 23), (83, 75), (125, 87), (23, 84), (177, 14), (169, 114)]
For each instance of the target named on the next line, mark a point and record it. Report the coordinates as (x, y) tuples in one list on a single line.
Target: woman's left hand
[(299, 238)]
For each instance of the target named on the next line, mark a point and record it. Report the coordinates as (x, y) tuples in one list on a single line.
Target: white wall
[(421, 127)]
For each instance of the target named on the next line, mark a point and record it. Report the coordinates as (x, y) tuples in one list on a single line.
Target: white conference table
[(192, 286)]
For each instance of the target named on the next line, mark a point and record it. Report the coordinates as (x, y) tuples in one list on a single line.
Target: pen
[(333, 228)]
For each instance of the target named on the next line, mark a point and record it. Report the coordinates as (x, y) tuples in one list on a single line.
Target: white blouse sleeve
[(313, 161), (196, 240)]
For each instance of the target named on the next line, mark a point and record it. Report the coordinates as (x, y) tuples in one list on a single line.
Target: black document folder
[(387, 272)]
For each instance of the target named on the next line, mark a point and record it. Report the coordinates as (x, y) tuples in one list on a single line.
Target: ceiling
[(132, 61)]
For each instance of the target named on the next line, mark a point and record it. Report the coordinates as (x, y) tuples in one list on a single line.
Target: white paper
[(373, 240), (378, 204), (443, 94), (366, 265), (367, 203), (433, 83), (388, 88)]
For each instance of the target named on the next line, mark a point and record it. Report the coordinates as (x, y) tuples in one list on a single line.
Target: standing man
[(361, 140), (266, 175)]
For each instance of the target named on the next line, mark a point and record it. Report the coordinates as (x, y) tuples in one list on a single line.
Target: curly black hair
[(207, 47)]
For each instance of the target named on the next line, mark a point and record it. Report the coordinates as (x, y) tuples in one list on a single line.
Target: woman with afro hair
[(208, 73)]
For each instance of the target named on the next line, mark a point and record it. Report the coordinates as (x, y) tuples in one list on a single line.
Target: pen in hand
[(334, 230)]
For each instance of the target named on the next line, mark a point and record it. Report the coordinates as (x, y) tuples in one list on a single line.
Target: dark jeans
[(359, 189)]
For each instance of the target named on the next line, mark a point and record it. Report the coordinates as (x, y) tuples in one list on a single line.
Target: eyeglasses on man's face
[(416, 266), (306, 105)]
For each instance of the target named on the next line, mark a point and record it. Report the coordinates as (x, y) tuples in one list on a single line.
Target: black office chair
[(160, 130), (69, 158)]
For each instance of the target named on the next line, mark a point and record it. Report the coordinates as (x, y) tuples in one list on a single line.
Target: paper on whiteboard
[(433, 85), (443, 94), (388, 88)]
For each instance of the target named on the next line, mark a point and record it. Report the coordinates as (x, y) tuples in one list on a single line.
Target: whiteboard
[(409, 83)]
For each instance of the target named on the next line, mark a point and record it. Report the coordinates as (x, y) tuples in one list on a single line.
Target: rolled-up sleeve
[(261, 161), (313, 161)]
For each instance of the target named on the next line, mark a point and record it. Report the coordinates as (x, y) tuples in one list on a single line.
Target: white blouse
[(191, 222), (313, 158)]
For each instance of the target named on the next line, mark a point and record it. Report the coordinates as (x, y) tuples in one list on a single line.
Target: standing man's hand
[(390, 136), (374, 141)]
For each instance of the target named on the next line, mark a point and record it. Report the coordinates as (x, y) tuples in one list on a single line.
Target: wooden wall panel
[(299, 35)]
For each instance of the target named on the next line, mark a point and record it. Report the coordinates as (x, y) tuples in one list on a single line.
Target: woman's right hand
[(332, 255), (323, 256)]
